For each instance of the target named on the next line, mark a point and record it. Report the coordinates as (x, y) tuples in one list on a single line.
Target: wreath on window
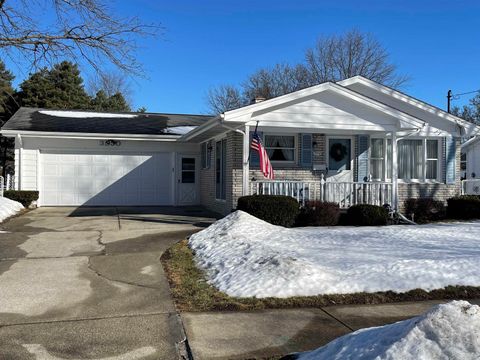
[(338, 151)]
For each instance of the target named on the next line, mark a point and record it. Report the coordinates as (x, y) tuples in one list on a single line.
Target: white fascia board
[(202, 128), (66, 135), (246, 112), (410, 100)]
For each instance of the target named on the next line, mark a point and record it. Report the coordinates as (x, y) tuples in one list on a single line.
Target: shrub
[(318, 213), (464, 207), (424, 210), (367, 215), (24, 197), (275, 209)]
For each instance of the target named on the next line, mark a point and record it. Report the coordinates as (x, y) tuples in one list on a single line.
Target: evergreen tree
[(116, 102), (7, 108), (58, 88)]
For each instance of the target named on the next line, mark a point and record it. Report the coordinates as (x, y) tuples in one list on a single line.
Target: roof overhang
[(470, 129), (248, 114), (93, 136)]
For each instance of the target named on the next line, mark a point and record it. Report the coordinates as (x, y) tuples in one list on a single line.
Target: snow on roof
[(84, 114), (179, 130), (245, 256), (447, 331)]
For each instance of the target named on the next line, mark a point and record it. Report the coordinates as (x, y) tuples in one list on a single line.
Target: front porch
[(345, 194)]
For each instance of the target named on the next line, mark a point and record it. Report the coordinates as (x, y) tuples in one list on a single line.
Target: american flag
[(265, 165)]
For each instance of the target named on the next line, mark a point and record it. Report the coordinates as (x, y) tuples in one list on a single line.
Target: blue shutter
[(306, 153), (204, 155), (254, 158), (450, 150), (362, 157)]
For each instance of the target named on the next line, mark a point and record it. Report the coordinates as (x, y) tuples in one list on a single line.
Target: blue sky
[(207, 43)]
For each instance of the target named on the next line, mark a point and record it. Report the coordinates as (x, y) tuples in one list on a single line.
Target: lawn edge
[(192, 293)]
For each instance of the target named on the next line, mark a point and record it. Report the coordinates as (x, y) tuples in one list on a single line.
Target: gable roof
[(405, 103), (88, 122)]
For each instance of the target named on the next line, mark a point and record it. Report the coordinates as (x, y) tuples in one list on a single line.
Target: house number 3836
[(110, 142)]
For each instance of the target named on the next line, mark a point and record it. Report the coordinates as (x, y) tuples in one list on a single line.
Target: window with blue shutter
[(306, 153), (450, 150), (362, 157)]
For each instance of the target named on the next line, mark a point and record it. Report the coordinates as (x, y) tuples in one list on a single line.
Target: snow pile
[(179, 130), (244, 256), (84, 114), (449, 331), (8, 208)]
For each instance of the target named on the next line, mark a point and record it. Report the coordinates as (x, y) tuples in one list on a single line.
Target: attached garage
[(106, 179), (76, 158)]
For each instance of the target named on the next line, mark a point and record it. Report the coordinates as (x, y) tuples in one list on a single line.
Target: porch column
[(394, 171), (246, 164)]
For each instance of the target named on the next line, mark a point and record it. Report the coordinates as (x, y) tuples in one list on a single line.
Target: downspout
[(19, 175)]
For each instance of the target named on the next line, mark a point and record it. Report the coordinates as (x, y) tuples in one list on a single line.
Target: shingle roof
[(35, 119)]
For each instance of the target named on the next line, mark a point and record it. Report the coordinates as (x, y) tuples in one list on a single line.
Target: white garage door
[(106, 179)]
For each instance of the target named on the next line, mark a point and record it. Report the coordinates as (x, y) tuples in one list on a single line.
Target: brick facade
[(440, 191)]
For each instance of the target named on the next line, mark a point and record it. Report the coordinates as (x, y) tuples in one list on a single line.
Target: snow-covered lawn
[(8, 208), (449, 331), (244, 256)]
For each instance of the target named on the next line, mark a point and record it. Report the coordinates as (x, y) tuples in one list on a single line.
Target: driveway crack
[(91, 268)]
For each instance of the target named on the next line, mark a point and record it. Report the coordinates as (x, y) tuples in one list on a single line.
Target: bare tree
[(335, 58), (80, 30), (224, 98), (110, 83), (279, 80)]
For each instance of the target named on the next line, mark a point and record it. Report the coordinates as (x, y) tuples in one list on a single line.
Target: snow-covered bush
[(318, 213), (367, 215), (275, 209), (424, 210), (464, 207), (24, 197)]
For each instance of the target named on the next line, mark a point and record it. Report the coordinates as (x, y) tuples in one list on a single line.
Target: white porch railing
[(471, 187), (345, 194), (2, 186)]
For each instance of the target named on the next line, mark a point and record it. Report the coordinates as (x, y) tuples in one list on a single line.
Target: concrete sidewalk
[(269, 333)]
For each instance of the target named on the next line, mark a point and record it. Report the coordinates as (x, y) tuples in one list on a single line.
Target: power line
[(457, 96)]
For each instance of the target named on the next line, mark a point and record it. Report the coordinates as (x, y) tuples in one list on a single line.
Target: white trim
[(250, 109), (44, 134), (408, 99)]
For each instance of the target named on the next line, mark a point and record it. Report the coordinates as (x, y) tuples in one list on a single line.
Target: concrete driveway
[(86, 283)]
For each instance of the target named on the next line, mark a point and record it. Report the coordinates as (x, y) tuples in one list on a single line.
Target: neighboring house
[(471, 159), (354, 141)]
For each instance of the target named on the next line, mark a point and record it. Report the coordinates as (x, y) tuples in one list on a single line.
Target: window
[(432, 160), (417, 159), (188, 170), (280, 147), (410, 159), (380, 159), (377, 159), (220, 169), (206, 149)]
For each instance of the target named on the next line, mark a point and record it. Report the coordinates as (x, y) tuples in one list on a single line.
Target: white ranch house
[(354, 141)]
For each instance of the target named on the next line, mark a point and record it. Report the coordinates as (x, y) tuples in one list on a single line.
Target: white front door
[(187, 180), (340, 161)]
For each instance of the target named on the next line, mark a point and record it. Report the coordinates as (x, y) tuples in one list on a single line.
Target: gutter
[(94, 136)]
